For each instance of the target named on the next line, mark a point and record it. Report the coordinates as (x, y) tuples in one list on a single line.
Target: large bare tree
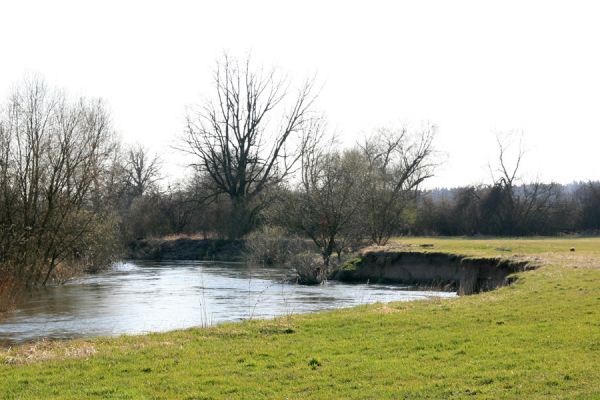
[(249, 136)]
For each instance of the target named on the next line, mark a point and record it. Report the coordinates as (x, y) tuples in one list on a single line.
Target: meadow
[(538, 338)]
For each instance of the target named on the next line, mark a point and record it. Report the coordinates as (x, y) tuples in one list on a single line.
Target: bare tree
[(142, 169), (511, 206), (249, 137), (499, 206), (53, 151), (398, 162), (327, 205)]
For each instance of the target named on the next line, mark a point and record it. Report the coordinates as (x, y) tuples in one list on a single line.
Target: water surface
[(143, 296)]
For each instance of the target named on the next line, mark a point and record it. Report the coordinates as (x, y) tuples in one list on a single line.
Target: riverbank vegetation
[(535, 339), (55, 170)]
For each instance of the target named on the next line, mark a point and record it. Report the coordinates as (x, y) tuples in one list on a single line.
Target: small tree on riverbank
[(398, 162), (346, 196), (327, 204)]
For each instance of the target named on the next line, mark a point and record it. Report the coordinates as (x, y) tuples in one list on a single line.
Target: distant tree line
[(508, 206), (526, 209), (343, 213)]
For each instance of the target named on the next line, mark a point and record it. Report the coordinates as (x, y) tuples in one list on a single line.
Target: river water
[(143, 296)]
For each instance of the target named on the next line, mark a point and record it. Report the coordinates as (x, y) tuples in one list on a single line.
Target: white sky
[(470, 67)]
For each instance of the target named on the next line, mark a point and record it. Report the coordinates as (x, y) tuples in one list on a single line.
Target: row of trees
[(263, 156), (527, 209), (258, 133), (509, 206)]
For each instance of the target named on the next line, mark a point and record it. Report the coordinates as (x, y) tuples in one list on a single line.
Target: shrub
[(270, 245), (310, 268)]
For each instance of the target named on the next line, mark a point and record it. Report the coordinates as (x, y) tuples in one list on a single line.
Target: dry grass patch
[(45, 350), (386, 309), (192, 236), (572, 260)]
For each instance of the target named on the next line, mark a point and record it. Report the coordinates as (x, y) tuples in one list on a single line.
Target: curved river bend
[(147, 296)]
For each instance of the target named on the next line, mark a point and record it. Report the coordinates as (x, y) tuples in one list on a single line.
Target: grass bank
[(538, 338)]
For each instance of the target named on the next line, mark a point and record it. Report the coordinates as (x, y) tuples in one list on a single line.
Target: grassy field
[(537, 339)]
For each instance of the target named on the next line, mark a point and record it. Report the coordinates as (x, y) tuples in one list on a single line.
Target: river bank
[(156, 296), (410, 265), (185, 249), (447, 271), (535, 339)]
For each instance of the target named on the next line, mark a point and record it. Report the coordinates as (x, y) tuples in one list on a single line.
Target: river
[(143, 296)]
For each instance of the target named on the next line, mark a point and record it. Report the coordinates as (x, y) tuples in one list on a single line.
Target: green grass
[(537, 339), (523, 246)]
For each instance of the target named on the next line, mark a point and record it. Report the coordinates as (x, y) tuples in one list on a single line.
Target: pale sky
[(472, 68)]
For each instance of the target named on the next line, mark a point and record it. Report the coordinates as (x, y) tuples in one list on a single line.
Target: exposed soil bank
[(186, 249), (466, 275)]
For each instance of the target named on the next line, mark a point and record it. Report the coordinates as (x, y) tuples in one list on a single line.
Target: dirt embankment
[(186, 249), (466, 275)]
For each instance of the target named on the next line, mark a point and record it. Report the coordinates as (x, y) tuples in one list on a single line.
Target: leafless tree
[(398, 162), (513, 206), (326, 206), (500, 205), (142, 169), (250, 136), (506, 172), (53, 152)]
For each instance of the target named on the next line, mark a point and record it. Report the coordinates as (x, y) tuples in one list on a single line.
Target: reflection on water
[(143, 296)]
